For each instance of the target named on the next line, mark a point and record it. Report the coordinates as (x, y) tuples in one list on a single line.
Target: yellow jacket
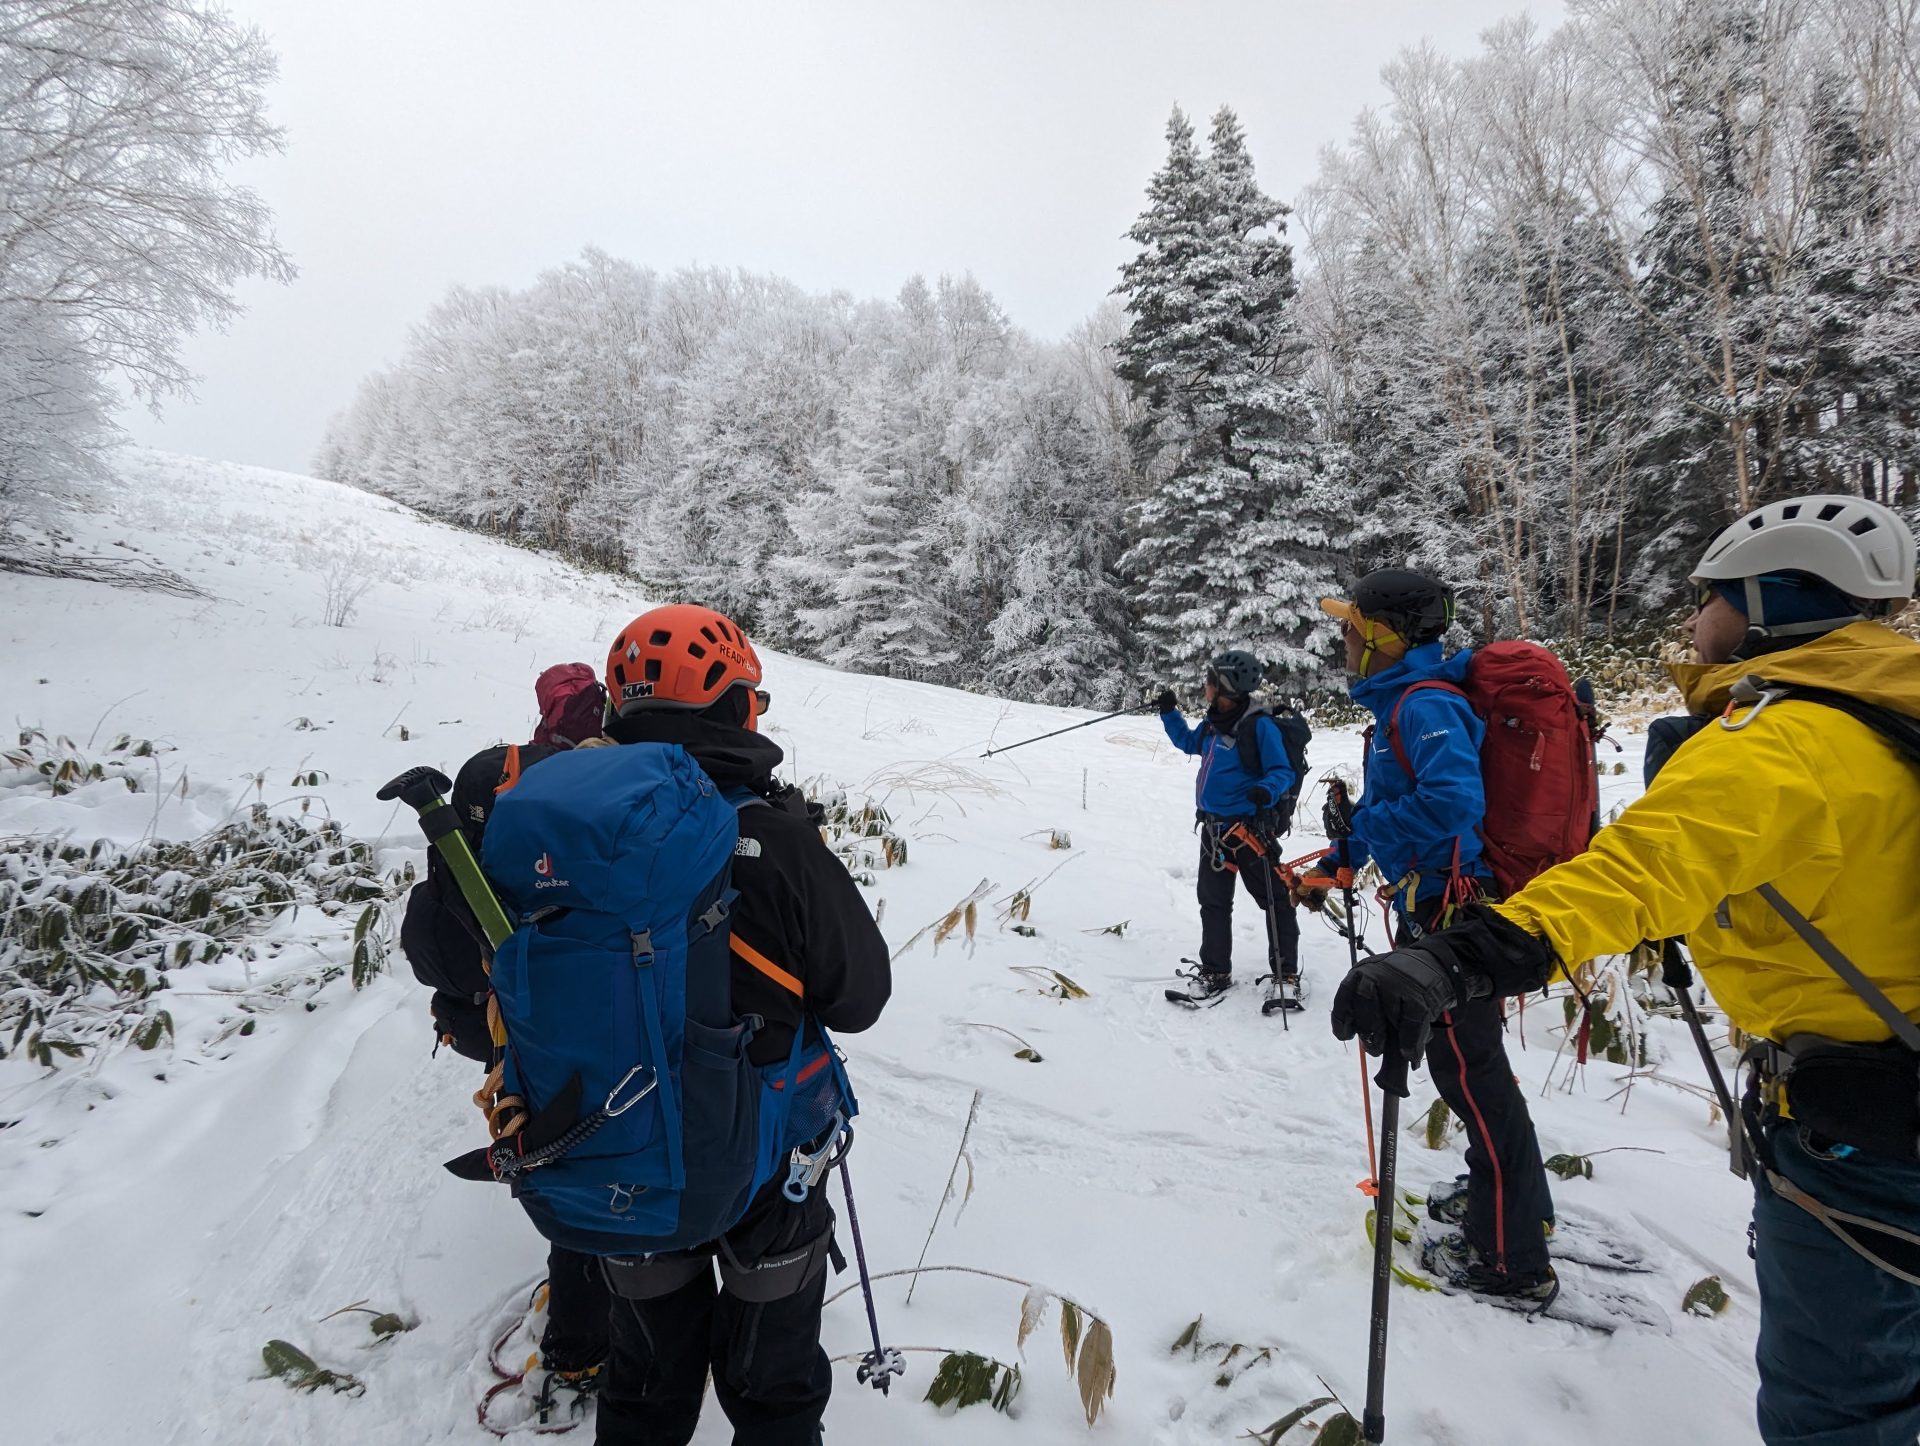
[(1805, 798)]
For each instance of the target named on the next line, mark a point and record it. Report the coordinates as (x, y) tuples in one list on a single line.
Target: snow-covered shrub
[(92, 934), (62, 765)]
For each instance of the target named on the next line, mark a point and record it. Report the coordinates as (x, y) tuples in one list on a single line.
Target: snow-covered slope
[(163, 1215)]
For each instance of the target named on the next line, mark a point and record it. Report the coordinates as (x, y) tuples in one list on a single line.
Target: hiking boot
[(1447, 1201), (1447, 1256)]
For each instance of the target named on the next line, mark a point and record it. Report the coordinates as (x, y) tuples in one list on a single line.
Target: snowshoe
[(1285, 991), (1577, 1237), (528, 1396), (1453, 1267), (1447, 1256), (1203, 989), (542, 1402)]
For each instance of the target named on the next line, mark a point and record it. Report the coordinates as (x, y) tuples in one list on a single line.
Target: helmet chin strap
[(1763, 639)]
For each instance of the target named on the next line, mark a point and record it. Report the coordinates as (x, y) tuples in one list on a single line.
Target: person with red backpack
[(1419, 821), (444, 943), (1780, 838)]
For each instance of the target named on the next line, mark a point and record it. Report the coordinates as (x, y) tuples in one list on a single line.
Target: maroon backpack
[(1536, 763)]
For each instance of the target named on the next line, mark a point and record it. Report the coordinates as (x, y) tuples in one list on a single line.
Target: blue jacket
[(1221, 791), (1413, 823)]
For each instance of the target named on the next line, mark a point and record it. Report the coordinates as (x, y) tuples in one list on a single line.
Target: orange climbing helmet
[(682, 657)]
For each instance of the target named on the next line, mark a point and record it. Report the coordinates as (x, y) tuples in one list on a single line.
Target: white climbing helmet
[(1862, 548)]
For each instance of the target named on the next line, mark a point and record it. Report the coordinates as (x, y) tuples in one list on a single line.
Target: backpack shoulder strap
[(1903, 734), (1246, 740), (1393, 718), (1901, 731), (509, 770)]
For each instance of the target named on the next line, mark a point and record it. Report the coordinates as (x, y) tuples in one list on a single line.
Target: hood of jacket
[(1377, 692), (1869, 661)]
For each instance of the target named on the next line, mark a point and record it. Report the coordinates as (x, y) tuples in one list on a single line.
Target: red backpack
[(1536, 763)]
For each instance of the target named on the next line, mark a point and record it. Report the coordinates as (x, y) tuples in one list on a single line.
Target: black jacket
[(799, 909)]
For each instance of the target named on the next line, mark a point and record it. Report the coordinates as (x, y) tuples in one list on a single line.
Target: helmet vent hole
[(709, 635), (653, 670), (714, 674), (660, 638), (1756, 522), (728, 633), (1790, 511), (1831, 511), (1865, 524), (696, 651)]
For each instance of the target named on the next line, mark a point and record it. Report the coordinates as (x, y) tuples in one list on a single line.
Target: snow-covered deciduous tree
[(119, 234)]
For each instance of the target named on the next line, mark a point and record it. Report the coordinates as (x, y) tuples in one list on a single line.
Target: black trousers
[(769, 1372), (1221, 860), (577, 1311), (1508, 1200)]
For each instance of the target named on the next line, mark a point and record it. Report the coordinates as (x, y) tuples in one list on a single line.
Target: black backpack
[(1295, 733)]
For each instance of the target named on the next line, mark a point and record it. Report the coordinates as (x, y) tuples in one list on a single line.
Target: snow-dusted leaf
[(1033, 1309)]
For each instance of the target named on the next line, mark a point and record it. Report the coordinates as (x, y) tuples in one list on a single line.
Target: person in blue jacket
[(1420, 827), (1226, 794)]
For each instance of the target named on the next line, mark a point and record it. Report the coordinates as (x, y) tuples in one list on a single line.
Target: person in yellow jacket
[(1781, 836)]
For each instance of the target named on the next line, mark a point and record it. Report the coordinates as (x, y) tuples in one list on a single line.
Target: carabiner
[(610, 1109), (804, 1170)]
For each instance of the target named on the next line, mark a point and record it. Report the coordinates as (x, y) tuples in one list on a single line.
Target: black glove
[(462, 1024), (1262, 800), (1393, 1000), (1166, 702)]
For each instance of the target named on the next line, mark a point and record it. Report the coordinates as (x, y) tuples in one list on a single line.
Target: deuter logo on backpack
[(543, 866)]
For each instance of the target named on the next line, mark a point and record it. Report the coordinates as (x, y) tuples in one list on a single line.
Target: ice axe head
[(1336, 814), (417, 788)]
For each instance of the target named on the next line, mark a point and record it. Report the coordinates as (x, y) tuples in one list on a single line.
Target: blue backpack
[(649, 1128)]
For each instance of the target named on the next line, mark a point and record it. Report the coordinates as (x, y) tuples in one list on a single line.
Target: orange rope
[(1370, 1186)]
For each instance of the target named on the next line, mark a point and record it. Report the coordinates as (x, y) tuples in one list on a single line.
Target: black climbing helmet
[(1417, 607), (1236, 671)]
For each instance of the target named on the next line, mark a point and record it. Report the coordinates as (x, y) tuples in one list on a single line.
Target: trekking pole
[(881, 1364), (1104, 717), (1392, 1080), (1678, 977), (424, 790)]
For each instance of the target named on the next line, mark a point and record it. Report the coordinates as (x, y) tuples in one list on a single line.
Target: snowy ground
[(163, 1215)]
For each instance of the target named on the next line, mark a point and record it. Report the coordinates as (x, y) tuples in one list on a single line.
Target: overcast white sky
[(838, 144)]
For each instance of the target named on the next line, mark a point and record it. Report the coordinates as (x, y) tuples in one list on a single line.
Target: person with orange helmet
[(805, 946)]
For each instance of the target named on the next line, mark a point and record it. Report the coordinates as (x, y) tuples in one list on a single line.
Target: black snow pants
[(578, 1307), (1221, 859), (1508, 1202), (758, 1331)]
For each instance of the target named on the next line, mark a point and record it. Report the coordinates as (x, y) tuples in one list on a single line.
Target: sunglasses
[(762, 700), (1703, 593)]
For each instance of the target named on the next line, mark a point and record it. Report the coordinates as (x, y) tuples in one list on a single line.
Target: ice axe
[(424, 790)]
